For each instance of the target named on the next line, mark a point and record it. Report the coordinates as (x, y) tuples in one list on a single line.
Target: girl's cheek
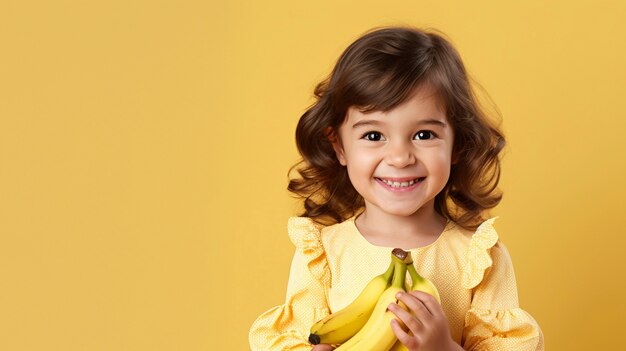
[(434, 156), (365, 156)]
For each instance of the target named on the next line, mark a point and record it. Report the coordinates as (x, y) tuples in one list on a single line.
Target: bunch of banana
[(365, 323)]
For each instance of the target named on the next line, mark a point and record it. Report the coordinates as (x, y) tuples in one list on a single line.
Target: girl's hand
[(427, 323), (322, 347)]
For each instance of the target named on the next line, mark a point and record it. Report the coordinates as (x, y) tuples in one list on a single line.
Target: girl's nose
[(400, 155)]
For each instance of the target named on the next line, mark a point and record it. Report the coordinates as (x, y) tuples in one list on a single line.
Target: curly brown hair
[(378, 72)]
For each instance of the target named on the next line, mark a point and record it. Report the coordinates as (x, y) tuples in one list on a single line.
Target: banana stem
[(389, 273), (408, 259), (399, 273)]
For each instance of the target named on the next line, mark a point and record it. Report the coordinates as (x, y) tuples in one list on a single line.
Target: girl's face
[(398, 160)]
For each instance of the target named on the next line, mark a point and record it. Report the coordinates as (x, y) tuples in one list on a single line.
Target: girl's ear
[(336, 143)]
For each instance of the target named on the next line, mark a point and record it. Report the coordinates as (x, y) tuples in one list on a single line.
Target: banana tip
[(314, 339), (408, 259), (399, 253)]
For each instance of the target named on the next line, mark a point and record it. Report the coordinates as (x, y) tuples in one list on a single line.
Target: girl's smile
[(406, 184)]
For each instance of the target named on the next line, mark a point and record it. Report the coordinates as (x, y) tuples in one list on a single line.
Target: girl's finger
[(428, 301), (405, 338), (409, 320), (415, 305)]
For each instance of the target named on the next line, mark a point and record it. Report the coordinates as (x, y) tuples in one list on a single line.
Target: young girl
[(398, 153)]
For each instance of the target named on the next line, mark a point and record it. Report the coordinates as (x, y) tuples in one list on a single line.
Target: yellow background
[(144, 149)]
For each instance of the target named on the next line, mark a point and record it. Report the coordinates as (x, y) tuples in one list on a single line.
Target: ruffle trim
[(305, 234), (477, 258), (509, 329)]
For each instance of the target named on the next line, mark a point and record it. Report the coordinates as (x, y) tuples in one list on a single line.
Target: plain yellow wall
[(144, 149)]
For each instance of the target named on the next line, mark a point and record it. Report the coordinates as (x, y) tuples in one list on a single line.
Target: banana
[(422, 284), (340, 326), (376, 334), (418, 283), (398, 346)]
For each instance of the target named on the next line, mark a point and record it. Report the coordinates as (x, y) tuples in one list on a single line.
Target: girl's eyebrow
[(371, 122)]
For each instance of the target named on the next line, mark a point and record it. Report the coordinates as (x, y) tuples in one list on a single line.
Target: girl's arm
[(287, 326), (495, 321)]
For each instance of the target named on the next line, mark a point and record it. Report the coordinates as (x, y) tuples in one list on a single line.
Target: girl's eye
[(372, 136), (425, 135), (421, 135)]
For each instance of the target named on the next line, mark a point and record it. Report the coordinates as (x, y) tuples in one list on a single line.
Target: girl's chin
[(399, 212), (397, 209)]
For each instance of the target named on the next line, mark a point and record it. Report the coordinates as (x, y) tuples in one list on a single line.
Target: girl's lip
[(402, 189)]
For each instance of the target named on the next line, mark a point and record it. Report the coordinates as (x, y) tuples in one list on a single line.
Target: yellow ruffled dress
[(472, 271)]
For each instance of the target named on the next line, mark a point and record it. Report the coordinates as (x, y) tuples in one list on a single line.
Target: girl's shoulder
[(478, 250), (306, 235), (304, 232)]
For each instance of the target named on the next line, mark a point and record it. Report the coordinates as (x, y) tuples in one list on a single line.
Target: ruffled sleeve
[(286, 327), (495, 322)]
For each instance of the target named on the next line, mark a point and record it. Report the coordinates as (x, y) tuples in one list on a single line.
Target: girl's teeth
[(398, 184)]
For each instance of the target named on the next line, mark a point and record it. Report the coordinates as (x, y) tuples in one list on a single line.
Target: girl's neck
[(419, 229)]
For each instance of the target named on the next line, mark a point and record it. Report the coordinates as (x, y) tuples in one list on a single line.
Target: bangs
[(388, 71), (383, 91)]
